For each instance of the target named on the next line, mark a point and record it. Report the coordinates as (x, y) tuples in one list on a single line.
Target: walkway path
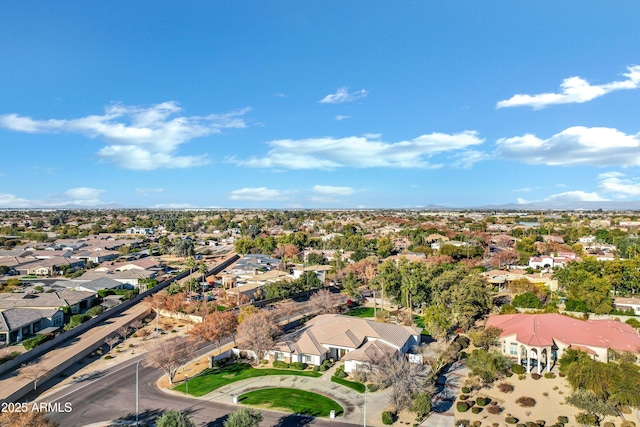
[(448, 387), (351, 401)]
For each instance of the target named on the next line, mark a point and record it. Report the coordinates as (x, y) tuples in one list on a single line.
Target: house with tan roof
[(358, 342), (540, 339)]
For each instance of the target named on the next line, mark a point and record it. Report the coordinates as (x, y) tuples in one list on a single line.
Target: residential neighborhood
[(394, 302)]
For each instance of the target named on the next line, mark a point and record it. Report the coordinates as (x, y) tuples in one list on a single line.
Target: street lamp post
[(365, 406), (137, 365)]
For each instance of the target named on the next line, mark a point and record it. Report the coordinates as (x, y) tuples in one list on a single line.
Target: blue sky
[(313, 104)]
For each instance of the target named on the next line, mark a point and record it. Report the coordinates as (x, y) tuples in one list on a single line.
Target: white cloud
[(467, 158), (525, 189), (577, 145), (617, 184), (328, 190), (343, 95), (138, 137), (574, 90), (359, 152), (259, 194), (576, 196), (73, 197), (339, 118), (13, 201), (173, 206)]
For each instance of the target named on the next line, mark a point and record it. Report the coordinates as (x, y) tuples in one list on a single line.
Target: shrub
[(476, 423), (505, 387), (511, 420), (108, 356), (562, 419), (388, 418), (530, 424), (535, 376), (298, 365), (634, 323), (482, 401), (462, 406), (526, 402), (466, 390), (264, 361), (549, 375), (625, 409), (522, 376), (517, 369), (35, 341), (586, 418), (94, 311), (464, 397), (340, 374), (463, 423), (9, 356), (609, 424), (316, 368), (280, 364), (476, 409), (628, 424), (494, 410), (541, 422), (372, 387), (561, 375), (509, 374)]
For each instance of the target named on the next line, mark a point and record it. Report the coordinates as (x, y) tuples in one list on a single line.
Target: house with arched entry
[(537, 341)]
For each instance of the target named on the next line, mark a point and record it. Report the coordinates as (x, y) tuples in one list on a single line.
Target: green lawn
[(211, 379), (291, 400), (359, 387), (362, 312)]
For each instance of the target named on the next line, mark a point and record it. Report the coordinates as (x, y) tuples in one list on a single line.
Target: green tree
[(421, 405), (526, 300), (243, 417), (488, 365), (385, 247), (174, 419), (437, 320), (351, 285)]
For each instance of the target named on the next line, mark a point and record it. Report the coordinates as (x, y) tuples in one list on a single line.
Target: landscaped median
[(214, 378), (292, 400)]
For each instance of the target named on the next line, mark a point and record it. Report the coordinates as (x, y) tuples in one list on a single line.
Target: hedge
[(280, 364), (35, 341)]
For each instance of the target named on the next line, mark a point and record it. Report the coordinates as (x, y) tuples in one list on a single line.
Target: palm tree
[(203, 269)]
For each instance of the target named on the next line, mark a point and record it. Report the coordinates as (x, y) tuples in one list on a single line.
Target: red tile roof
[(543, 329)]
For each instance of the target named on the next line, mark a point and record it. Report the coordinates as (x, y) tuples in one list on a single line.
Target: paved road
[(110, 396)]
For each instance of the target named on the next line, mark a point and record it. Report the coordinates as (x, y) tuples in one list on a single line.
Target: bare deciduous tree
[(111, 341), (257, 332), (136, 325), (324, 302), (25, 419), (123, 331), (169, 355), (35, 371), (287, 309), (216, 327), (406, 379)]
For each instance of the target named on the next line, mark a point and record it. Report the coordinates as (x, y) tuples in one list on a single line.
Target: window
[(305, 358), (278, 355), (513, 349)]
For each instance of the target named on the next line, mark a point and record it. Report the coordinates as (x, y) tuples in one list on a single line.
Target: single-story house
[(627, 304), (540, 339), (77, 301), (17, 324), (358, 342)]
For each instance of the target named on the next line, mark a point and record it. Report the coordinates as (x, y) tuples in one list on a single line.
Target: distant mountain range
[(612, 205)]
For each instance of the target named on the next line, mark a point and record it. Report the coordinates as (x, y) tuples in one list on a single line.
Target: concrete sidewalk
[(13, 386)]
